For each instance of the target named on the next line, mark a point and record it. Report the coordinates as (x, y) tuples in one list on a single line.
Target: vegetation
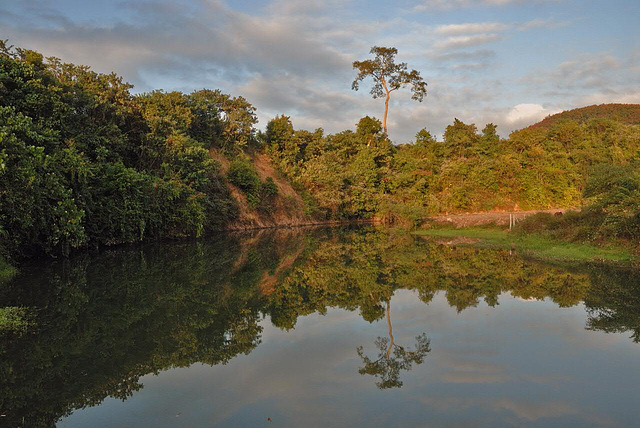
[(625, 113), (607, 228), (85, 163), (612, 212), (14, 319), (259, 194), (361, 174), (6, 271)]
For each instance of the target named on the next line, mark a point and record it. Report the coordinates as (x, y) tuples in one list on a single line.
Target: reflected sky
[(323, 327), (524, 363)]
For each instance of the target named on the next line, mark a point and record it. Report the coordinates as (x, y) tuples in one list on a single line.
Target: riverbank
[(293, 225), (499, 218), (534, 245)]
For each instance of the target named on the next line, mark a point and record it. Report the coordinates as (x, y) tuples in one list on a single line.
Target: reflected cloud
[(190, 328)]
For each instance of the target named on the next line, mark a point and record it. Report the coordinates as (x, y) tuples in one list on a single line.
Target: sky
[(509, 62)]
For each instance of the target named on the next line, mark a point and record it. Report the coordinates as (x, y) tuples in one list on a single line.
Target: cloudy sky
[(510, 62)]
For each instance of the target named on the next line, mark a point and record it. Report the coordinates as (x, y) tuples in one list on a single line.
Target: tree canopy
[(388, 77)]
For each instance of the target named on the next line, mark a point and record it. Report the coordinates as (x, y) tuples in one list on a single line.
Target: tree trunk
[(386, 103), (391, 341), (386, 109)]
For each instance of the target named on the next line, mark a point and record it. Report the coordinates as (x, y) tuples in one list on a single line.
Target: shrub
[(269, 188), (243, 174)]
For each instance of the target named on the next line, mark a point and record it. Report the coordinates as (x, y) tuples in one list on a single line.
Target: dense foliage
[(626, 113), (613, 210), (360, 174), (83, 162), (259, 194)]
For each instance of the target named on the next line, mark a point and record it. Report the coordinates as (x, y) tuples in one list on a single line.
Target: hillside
[(625, 113), (285, 208)]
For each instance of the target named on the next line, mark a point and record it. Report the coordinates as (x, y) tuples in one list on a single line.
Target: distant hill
[(625, 113)]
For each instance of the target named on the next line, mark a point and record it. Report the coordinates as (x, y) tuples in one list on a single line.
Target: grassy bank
[(533, 244)]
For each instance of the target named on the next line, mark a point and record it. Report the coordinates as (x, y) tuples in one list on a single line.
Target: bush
[(268, 193), (6, 270), (243, 174), (269, 188), (259, 195)]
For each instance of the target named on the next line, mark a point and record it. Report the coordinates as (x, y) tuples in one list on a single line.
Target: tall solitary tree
[(388, 77)]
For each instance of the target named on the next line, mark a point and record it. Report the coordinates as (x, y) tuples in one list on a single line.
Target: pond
[(324, 327)]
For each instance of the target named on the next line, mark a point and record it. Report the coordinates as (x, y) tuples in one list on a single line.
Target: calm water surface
[(341, 327)]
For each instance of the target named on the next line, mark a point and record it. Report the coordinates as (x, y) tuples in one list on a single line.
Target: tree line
[(84, 162)]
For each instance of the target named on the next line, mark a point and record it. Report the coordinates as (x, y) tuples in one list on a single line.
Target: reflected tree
[(613, 303), (392, 358), (100, 323)]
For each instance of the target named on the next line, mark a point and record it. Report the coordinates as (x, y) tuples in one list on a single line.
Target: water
[(331, 327)]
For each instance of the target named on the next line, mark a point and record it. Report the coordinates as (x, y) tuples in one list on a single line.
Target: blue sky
[(510, 62)]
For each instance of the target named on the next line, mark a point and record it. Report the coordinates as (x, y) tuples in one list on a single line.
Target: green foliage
[(342, 173), (360, 174), (85, 163), (259, 194), (219, 120), (6, 270), (269, 188), (613, 192), (243, 174)]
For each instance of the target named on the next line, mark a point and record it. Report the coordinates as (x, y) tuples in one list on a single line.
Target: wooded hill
[(625, 113)]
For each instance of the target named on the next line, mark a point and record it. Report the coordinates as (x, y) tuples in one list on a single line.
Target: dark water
[(341, 327)]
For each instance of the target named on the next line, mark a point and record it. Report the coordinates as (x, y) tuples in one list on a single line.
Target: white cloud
[(305, 7), (476, 27), (622, 95), (464, 55), (542, 23), (527, 114), (460, 42)]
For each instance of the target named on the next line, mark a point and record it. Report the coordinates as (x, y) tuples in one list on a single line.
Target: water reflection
[(387, 367), (103, 322)]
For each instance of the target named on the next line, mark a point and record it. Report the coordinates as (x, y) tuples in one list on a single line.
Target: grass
[(534, 245)]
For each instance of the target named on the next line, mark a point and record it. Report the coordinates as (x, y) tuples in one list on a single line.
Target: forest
[(86, 162)]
